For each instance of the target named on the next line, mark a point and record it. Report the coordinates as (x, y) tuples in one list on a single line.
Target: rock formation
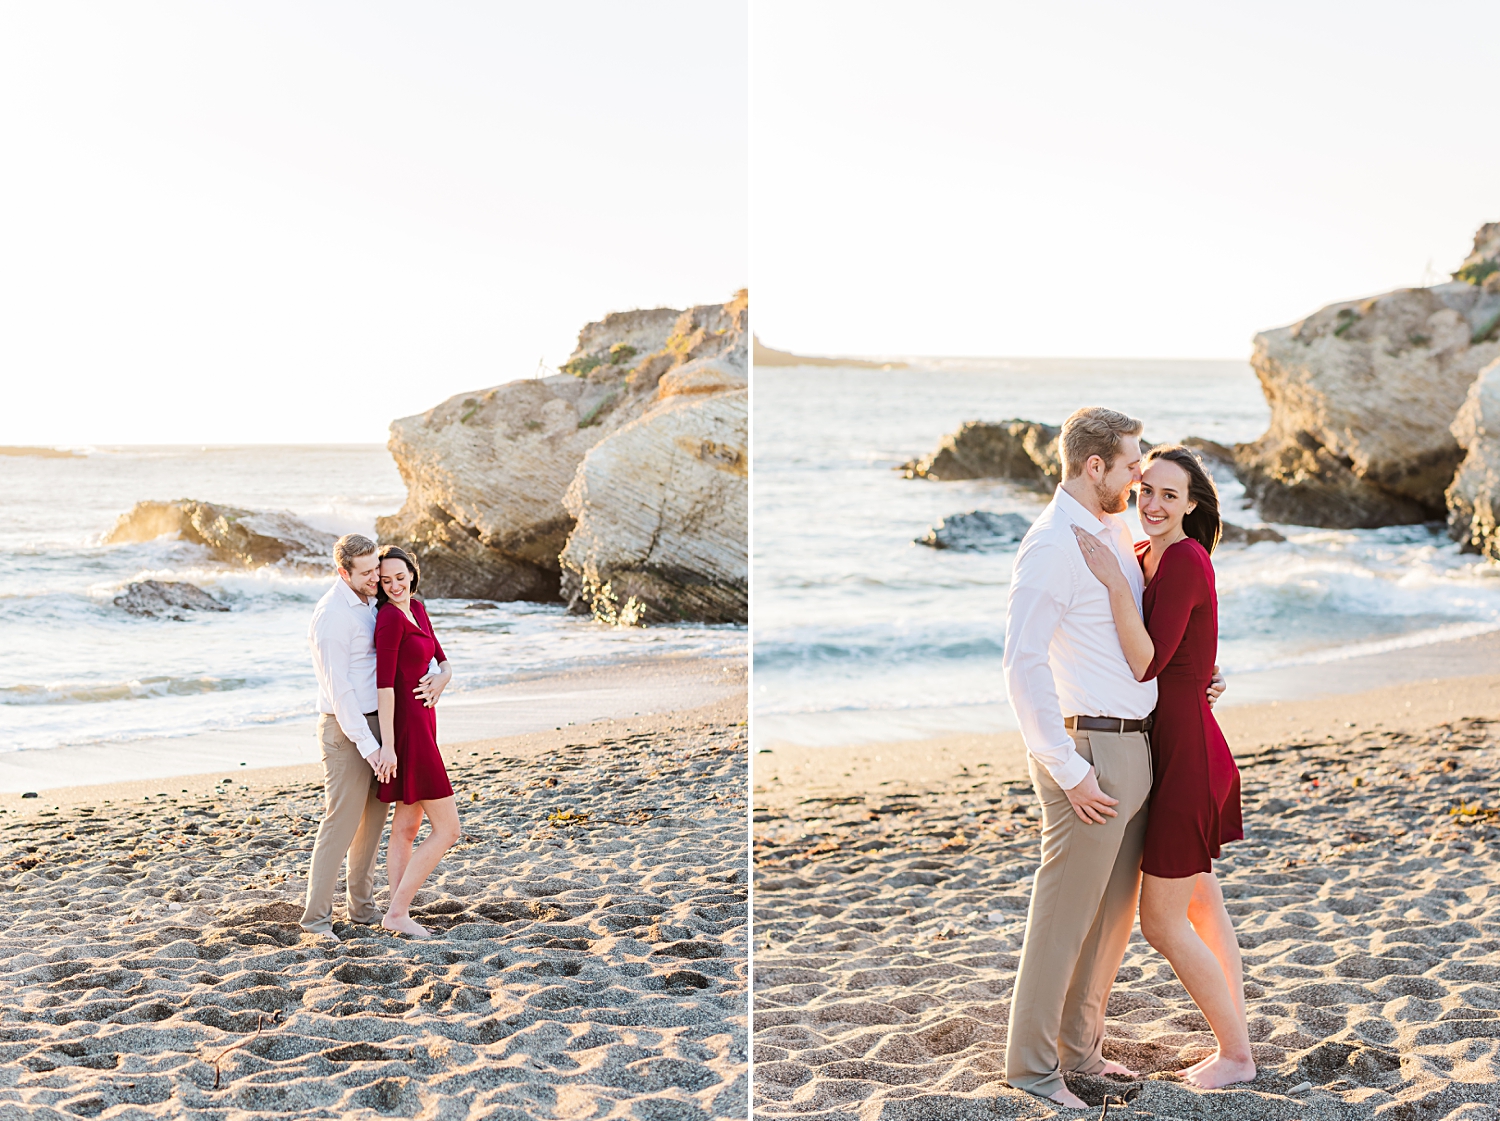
[(662, 506), (1022, 450), (158, 599), (1474, 496), (487, 473), (249, 537), (1362, 394), (977, 531), (1230, 534)]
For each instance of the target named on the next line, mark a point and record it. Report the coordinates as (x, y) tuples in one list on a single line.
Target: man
[(1084, 718), (354, 762)]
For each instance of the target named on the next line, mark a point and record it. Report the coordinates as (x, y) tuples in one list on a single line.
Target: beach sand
[(591, 958), (892, 882)]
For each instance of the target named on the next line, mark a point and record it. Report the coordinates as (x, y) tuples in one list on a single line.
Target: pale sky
[(296, 221), (1148, 179)]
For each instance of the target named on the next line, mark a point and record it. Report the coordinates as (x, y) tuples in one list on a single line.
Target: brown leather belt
[(1107, 724)]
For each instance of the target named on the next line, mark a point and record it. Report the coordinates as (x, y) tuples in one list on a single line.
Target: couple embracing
[(1109, 665), (373, 646)]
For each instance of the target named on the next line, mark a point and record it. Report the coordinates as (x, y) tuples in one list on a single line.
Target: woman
[(405, 695), (1195, 794)]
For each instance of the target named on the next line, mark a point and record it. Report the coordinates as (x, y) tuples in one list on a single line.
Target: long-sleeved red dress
[(403, 652), (1195, 789)]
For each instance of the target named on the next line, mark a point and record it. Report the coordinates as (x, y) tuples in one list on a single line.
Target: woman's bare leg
[(405, 824), (1165, 905), (1210, 919), (443, 814)]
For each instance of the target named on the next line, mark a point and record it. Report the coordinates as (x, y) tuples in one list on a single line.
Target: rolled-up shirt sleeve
[(331, 650), (1040, 591)]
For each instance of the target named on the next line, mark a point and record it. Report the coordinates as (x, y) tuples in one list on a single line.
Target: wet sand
[(591, 958), (891, 889)]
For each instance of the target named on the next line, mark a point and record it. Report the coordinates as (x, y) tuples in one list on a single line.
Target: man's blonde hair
[(1093, 431), (349, 546)]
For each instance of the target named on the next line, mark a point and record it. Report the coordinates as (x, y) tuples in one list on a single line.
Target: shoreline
[(535, 703), (1413, 672)]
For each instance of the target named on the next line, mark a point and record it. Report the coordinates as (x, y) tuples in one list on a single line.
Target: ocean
[(79, 670), (861, 635)]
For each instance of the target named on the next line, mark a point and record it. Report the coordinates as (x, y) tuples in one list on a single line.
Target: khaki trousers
[(353, 819), (1083, 904)]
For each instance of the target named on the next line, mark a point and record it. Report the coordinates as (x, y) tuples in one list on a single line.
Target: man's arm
[(1040, 591), (331, 654)]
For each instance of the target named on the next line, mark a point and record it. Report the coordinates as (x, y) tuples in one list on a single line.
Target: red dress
[(1195, 791), (403, 652)]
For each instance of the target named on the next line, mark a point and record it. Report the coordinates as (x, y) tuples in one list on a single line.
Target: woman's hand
[(1100, 558), (383, 763), (431, 687)]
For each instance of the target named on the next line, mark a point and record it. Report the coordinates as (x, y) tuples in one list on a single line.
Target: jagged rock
[(1012, 449), (1230, 534), (249, 537), (662, 503), (1362, 395), (1474, 496), (487, 472), (1211, 451), (977, 531), (158, 599)]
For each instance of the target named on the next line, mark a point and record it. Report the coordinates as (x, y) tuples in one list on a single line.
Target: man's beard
[(1111, 501)]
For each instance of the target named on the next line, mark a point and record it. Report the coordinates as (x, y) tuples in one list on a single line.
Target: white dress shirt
[(343, 649), (1062, 651)]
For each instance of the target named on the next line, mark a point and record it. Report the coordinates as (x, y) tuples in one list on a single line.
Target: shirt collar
[(1075, 512), (349, 595)]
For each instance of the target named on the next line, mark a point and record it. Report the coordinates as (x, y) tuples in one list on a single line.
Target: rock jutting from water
[(1022, 450), (1362, 396), (977, 531), (249, 537), (161, 599), (489, 474)]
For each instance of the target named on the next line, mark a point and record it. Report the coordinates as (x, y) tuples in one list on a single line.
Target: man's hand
[(431, 687), (1216, 687), (383, 763), (1090, 803)]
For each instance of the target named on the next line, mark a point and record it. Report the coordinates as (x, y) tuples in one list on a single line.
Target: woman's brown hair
[(1203, 524), (395, 552)]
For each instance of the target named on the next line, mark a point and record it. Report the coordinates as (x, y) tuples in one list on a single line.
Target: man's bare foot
[(323, 935), (1119, 1070), (404, 924), (1067, 1098), (1220, 1071)]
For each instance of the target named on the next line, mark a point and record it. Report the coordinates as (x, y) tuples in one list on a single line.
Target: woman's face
[(1163, 498), (395, 578)]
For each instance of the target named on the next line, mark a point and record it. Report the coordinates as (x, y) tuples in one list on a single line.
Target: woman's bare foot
[(1120, 1070), (404, 924), (1199, 1065), (1067, 1098), (1220, 1071)]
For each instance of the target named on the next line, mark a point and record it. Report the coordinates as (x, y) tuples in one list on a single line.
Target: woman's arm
[(387, 650), (385, 705), (1135, 640)]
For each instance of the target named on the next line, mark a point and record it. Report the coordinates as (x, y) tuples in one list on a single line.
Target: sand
[(591, 958), (890, 900)]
